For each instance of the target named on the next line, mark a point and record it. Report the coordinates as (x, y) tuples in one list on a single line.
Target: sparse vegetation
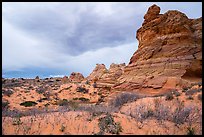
[(87, 82), (124, 98), (28, 103), (185, 89), (190, 131), (17, 121), (176, 93), (191, 91), (200, 97), (107, 124), (7, 92), (62, 128), (81, 89), (94, 85), (81, 99), (5, 104), (162, 112), (169, 96), (40, 90), (63, 102), (189, 97), (180, 115)]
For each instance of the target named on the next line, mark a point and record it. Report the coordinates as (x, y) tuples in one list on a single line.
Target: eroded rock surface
[(169, 53), (76, 77)]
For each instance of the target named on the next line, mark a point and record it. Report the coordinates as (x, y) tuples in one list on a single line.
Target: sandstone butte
[(76, 77), (169, 54), (106, 77)]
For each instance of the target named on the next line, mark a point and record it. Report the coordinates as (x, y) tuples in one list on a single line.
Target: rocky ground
[(158, 92)]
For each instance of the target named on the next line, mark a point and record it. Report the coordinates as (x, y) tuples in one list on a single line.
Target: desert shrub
[(200, 97), (94, 85), (190, 131), (99, 93), (17, 121), (107, 124), (83, 99), (5, 104), (87, 82), (147, 114), (62, 128), (47, 104), (81, 89), (28, 103), (41, 90), (47, 95), (73, 105), (200, 83), (162, 112), (191, 91), (58, 79), (7, 92), (176, 93), (124, 98), (75, 98), (63, 102), (181, 113), (185, 89), (190, 97), (169, 96)]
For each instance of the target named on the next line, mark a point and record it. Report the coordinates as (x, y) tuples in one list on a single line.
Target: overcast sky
[(49, 39)]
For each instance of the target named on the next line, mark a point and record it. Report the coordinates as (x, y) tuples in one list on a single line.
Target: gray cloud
[(69, 37)]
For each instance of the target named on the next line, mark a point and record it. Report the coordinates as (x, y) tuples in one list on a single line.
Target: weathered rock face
[(169, 51), (105, 77), (65, 79), (97, 73), (110, 78), (76, 77)]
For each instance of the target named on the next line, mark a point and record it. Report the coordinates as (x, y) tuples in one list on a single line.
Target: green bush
[(28, 103)]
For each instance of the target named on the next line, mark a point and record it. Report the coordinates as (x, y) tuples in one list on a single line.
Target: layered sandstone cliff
[(169, 54)]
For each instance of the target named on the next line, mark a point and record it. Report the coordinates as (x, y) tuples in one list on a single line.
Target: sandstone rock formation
[(76, 77), (106, 77), (65, 80), (114, 72), (169, 54), (96, 74)]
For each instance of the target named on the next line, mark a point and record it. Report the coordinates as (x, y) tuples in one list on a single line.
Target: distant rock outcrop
[(106, 77), (76, 77), (65, 79), (169, 54), (97, 73)]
